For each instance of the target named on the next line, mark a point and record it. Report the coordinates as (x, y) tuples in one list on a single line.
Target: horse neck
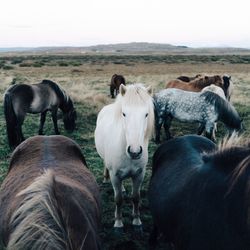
[(228, 114)]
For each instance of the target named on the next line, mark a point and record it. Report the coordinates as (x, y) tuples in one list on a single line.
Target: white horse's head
[(136, 110)]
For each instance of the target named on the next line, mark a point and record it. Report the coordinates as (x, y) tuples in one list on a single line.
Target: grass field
[(86, 79)]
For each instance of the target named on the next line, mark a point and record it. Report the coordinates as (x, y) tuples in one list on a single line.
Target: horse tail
[(11, 121), (37, 222)]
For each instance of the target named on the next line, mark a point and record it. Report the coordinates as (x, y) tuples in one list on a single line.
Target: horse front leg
[(210, 131), (42, 121), (167, 124), (105, 175), (54, 119), (112, 90), (117, 186), (200, 129), (158, 125), (137, 182)]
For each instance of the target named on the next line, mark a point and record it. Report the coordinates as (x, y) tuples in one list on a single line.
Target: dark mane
[(59, 91), (226, 111), (206, 81)]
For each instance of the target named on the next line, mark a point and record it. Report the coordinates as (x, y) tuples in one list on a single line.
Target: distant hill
[(129, 48)]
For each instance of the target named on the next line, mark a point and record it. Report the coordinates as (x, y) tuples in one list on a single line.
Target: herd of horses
[(198, 193)]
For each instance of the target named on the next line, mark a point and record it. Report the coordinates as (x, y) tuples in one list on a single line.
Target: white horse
[(122, 134)]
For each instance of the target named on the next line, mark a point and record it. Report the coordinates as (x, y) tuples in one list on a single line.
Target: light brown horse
[(49, 199), (198, 84)]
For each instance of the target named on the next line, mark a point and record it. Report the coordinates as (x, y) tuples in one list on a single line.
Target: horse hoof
[(118, 231), (138, 230)]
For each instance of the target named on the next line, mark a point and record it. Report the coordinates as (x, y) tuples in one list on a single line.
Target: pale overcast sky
[(88, 22)]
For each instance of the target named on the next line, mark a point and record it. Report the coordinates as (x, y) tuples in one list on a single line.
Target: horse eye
[(146, 115), (124, 114)]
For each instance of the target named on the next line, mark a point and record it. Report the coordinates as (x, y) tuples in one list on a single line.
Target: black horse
[(46, 96), (115, 83), (200, 196)]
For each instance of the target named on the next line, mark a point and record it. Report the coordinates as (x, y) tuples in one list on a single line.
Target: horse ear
[(149, 90), (122, 89)]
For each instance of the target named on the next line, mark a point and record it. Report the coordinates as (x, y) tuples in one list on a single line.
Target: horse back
[(73, 187)]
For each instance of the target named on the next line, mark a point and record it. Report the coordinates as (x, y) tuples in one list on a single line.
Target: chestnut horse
[(49, 199), (116, 81), (199, 195), (198, 84)]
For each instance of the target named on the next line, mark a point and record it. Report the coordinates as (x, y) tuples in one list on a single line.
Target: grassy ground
[(86, 80)]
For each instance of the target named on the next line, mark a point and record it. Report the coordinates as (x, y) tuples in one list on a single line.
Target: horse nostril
[(134, 155)]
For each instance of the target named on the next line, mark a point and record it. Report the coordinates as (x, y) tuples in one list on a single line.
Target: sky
[(194, 23)]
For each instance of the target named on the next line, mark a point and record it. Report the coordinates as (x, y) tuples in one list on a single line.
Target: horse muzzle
[(134, 155)]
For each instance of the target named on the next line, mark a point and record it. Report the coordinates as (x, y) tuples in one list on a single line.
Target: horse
[(199, 195), (204, 107), (116, 81), (21, 99), (219, 91), (188, 78), (122, 134), (49, 198), (198, 84)]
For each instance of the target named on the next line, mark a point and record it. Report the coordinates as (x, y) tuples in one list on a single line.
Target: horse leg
[(54, 119), (20, 120), (210, 131), (117, 186), (158, 125), (106, 175), (42, 121), (200, 129), (137, 182), (167, 124), (112, 91)]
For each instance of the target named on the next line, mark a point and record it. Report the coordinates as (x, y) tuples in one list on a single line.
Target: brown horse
[(116, 81), (49, 199), (188, 78), (198, 84)]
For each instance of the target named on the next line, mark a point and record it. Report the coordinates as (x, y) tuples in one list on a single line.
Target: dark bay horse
[(199, 83), (49, 199), (188, 78), (199, 195), (116, 81), (20, 99)]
